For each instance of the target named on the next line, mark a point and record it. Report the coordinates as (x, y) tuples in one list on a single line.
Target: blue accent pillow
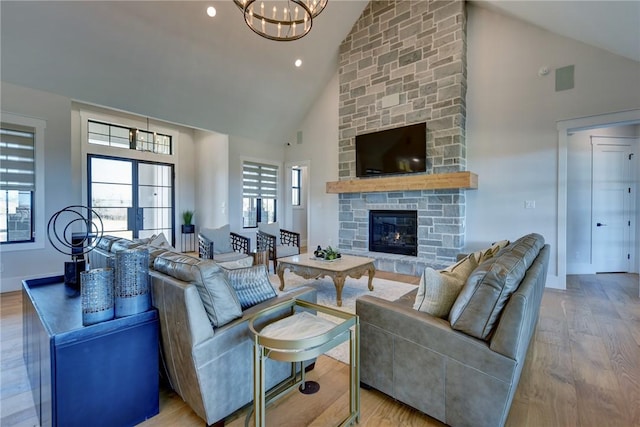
[(252, 285)]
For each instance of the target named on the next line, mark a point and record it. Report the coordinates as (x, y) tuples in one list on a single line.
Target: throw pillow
[(273, 229), (484, 295), (160, 241), (145, 240), (252, 285), (491, 251), (221, 238), (218, 297), (438, 290)]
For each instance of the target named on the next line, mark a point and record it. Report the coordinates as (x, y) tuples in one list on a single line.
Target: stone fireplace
[(393, 232), (404, 62)]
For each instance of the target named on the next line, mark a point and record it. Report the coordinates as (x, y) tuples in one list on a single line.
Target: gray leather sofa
[(447, 373), (211, 368)]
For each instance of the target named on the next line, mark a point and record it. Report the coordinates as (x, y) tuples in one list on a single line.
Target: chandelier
[(280, 20)]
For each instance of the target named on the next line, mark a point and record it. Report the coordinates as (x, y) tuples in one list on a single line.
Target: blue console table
[(100, 375)]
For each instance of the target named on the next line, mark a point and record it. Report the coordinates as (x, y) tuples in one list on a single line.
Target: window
[(128, 138), (295, 186), (259, 193), (17, 182)]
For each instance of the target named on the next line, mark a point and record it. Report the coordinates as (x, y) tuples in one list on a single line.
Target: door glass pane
[(149, 174), (112, 194), (154, 196), (157, 218), (150, 197), (112, 171), (113, 219)]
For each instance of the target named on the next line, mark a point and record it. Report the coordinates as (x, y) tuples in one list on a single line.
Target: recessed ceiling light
[(298, 63), (211, 11)]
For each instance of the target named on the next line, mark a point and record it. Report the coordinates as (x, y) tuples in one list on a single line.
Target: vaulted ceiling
[(169, 60)]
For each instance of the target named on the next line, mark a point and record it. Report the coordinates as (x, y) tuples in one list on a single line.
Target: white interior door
[(612, 197)]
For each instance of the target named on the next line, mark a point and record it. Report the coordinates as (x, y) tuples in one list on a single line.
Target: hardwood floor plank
[(624, 354), (595, 382), (550, 384), (621, 286), (634, 329)]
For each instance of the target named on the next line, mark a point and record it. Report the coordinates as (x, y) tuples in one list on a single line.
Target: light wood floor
[(583, 369)]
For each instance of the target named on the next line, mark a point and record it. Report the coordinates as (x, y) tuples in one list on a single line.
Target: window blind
[(259, 180), (17, 157)]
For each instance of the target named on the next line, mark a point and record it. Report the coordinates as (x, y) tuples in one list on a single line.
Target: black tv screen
[(392, 151)]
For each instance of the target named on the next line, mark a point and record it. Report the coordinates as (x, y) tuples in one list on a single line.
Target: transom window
[(128, 138), (259, 193)]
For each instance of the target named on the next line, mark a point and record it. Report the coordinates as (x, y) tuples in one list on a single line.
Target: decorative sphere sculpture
[(74, 231)]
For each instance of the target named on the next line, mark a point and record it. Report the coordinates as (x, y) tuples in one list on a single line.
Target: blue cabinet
[(100, 375)]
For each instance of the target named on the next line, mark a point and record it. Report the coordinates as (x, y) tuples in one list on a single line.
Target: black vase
[(188, 228)]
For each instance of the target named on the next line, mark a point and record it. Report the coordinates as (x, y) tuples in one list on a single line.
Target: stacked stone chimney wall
[(404, 62)]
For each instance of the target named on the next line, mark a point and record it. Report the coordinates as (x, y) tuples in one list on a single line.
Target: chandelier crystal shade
[(280, 20)]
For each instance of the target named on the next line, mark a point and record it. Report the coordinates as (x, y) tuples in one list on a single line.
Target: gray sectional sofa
[(206, 346), (462, 370)]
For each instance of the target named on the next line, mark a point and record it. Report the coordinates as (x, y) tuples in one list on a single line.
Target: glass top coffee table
[(307, 266)]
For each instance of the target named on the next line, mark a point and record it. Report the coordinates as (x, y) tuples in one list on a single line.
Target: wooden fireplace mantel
[(439, 181)]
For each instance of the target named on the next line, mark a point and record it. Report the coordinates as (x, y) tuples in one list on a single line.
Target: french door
[(134, 198)]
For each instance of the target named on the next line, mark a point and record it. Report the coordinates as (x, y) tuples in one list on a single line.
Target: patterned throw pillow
[(252, 285)]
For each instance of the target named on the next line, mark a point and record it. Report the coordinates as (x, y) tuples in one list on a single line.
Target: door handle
[(599, 224)]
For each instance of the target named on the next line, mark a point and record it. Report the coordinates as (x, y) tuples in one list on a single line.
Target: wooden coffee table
[(306, 266)]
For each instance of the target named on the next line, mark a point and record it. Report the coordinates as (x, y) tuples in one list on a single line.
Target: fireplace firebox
[(393, 231)]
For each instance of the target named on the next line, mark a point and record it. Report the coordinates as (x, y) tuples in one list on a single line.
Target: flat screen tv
[(393, 151)]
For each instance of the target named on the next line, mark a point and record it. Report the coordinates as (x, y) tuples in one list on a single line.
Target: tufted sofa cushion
[(218, 297), (484, 295)]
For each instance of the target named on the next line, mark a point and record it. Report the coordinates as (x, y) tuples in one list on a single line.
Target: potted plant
[(328, 254), (187, 226)]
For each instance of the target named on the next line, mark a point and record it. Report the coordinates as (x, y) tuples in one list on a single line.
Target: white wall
[(320, 148), (512, 140), (56, 111), (212, 184), (241, 149), (579, 207)]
